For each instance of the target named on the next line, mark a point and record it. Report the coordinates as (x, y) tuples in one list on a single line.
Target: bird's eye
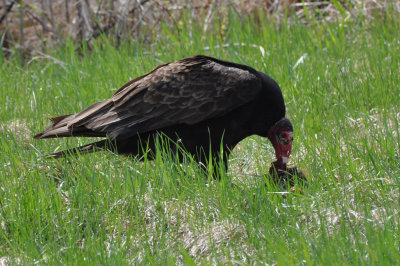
[(283, 135)]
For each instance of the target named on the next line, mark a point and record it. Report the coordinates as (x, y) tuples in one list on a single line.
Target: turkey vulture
[(200, 102)]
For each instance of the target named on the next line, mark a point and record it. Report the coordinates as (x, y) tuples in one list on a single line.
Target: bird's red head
[(281, 137)]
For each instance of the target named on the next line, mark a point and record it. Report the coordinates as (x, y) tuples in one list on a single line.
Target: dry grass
[(34, 26), (183, 231), (18, 128), (342, 96)]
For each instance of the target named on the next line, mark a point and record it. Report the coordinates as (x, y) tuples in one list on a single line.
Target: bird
[(203, 104)]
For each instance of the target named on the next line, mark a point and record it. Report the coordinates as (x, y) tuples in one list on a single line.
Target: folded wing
[(184, 92)]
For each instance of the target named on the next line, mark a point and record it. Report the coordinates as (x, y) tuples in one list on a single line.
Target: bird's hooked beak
[(281, 137), (283, 147)]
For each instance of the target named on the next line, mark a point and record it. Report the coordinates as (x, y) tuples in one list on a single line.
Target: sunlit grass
[(341, 86)]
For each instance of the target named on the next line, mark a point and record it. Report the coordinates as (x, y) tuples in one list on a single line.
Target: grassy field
[(340, 81)]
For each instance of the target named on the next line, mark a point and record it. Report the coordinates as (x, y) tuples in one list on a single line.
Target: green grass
[(343, 98)]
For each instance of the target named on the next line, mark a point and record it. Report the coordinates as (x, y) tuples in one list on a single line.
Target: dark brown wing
[(184, 92)]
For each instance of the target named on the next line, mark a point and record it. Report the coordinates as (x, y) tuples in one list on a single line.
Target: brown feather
[(191, 98), (57, 119)]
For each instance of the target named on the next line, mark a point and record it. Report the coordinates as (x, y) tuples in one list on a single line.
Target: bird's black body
[(197, 102)]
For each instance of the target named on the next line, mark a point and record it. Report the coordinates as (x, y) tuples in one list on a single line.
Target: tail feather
[(57, 119), (85, 149), (60, 128), (75, 125), (54, 132)]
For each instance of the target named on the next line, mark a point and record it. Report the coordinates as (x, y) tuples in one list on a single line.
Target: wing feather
[(184, 92)]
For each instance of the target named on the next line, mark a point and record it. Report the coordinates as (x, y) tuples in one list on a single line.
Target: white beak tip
[(285, 159)]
